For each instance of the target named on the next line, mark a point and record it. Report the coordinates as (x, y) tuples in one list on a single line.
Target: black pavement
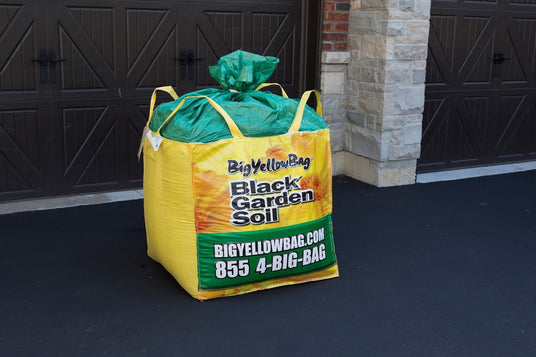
[(440, 269)]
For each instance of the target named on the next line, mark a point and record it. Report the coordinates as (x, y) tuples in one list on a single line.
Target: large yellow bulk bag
[(243, 213)]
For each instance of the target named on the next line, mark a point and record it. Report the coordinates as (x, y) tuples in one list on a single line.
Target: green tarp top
[(255, 113)]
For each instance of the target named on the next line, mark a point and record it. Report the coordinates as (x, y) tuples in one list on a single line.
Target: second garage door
[(480, 103)]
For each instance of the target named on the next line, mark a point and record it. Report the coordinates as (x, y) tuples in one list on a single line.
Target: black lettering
[(294, 198), (278, 186), (238, 188), (269, 201), (282, 200), (240, 218), (307, 196), (257, 218), (255, 165), (292, 184), (257, 203), (232, 166), (247, 170), (292, 160), (306, 163), (263, 187), (240, 203), (253, 186)]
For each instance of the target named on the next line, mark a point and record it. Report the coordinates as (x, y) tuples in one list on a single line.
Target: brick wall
[(334, 73), (335, 27)]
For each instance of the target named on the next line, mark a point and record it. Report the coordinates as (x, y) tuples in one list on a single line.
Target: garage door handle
[(498, 58), (43, 64), (183, 59), (189, 58), (192, 59), (52, 58), (52, 63)]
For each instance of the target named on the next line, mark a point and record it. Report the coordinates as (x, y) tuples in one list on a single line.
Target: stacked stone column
[(335, 112), (385, 89)]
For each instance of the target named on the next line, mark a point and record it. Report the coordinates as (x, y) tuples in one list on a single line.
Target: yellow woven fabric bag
[(240, 214)]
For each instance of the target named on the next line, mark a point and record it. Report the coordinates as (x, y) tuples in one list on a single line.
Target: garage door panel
[(85, 130), (18, 72), (490, 92), (142, 24), (479, 51), (442, 29), (519, 133), (78, 126), (98, 24), (135, 169), (23, 128), (205, 50), (286, 71), (472, 29), (7, 15), (433, 74), (513, 108), (267, 24), (230, 26), (12, 182), (523, 36), (440, 47), (448, 127), (84, 66), (517, 66), (24, 149), (468, 119), (282, 45), (151, 52), (137, 115), (478, 110), (434, 111), (275, 38), (14, 24), (479, 62), (77, 73), (214, 36), (163, 66), (102, 167)]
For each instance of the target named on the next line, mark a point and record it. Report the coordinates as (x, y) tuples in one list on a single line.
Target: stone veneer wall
[(388, 43), (334, 74), (374, 93), (334, 104)]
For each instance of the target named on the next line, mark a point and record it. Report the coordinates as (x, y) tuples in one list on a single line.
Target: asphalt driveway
[(439, 269)]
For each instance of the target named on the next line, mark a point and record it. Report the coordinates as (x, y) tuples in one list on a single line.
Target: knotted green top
[(255, 113), (243, 71)]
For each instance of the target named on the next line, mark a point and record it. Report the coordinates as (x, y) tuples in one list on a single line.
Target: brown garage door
[(480, 103), (76, 76)]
